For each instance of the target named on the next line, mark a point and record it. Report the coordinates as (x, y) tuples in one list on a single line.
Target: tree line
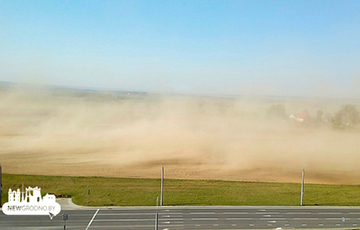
[(346, 117)]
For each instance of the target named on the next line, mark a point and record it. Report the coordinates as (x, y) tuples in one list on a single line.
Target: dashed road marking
[(92, 219), (204, 218)]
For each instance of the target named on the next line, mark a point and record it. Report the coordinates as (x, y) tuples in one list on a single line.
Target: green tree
[(347, 117), (276, 111), (319, 115)]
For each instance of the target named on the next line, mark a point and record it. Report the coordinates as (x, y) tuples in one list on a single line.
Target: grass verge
[(143, 192)]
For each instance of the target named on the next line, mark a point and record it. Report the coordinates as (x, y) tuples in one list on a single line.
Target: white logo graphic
[(31, 204)]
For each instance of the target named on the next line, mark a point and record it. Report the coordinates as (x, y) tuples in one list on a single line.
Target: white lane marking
[(122, 220), (299, 213), (266, 215), (338, 224), (169, 213), (130, 220), (126, 214), (321, 224), (303, 225), (177, 222), (172, 219), (272, 221), (204, 218), (132, 226), (252, 225), (233, 225), (239, 218), (230, 213), (306, 218), (134, 214), (263, 213), (201, 213), (92, 219), (286, 225), (274, 218), (355, 213), (354, 224), (334, 213), (216, 225)]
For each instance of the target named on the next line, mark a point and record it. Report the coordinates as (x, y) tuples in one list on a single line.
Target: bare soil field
[(81, 133)]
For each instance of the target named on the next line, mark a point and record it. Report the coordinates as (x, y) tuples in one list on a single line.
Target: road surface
[(179, 218)]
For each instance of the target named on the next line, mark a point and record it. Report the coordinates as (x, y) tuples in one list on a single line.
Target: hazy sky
[(299, 48)]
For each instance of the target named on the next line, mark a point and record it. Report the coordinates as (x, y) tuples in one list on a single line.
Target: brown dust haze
[(65, 132)]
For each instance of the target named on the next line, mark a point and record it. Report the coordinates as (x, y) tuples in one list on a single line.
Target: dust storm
[(92, 133)]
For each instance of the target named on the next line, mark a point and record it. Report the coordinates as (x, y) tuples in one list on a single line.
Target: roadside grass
[(143, 192)]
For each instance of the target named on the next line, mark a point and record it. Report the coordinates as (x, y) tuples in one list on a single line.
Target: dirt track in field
[(98, 134)]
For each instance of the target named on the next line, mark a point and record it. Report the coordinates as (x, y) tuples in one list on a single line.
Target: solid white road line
[(201, 213), (126, 214), (306, 218), (228, 213), (331, 213), (135, 214), (298, 213), (133, 220), (274, 218), (267, 213), (239, 218), (197, 219), (92, 219)]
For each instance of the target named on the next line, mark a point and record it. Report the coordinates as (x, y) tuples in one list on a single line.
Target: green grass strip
[(143, 192)]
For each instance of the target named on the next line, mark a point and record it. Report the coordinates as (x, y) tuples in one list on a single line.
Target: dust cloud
[(88, 133)]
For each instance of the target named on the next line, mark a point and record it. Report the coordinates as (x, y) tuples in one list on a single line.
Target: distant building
[(301, 117)]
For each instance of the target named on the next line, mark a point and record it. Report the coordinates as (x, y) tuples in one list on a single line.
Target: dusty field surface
[(79, 133)]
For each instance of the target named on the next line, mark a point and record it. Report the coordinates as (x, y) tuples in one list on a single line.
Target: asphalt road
[(172, 218)]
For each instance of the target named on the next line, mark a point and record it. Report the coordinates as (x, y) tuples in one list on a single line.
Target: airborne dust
[(69, 132)]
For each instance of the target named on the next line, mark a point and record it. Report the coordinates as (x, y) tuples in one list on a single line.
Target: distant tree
[(347, 117), (276, 111), (319, 115), (328, 118)]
